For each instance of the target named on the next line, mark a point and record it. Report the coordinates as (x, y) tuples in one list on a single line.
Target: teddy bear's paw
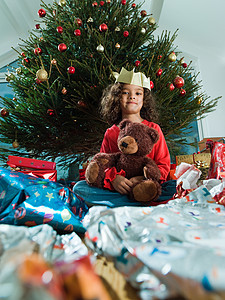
[(103, 161), (92, 171), (145, 191)]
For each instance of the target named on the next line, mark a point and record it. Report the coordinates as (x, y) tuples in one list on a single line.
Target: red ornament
[(178, 82), (4, 112), (77, 32), (151, 85), (23, 54), (143, 13), (133, 5), (95, 4), (182, 92), (137, 63), (159, 56), (42, 13), (184, 65), (37, 51), (101, 3), (171, 87), (64, 91), (159, 72), (103, 27), (125, 33), (62, 47), (50, 112), (37, 26), (71, 70), (26, 60), (81, 103), (59, 29), (79, 22), (123, 2)]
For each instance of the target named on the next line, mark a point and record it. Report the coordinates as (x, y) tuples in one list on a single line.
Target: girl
[(129, 98)]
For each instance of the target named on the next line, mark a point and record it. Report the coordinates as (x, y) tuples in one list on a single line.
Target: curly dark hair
[(110, 105)]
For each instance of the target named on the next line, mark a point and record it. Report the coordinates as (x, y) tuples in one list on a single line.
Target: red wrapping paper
[(82, 174), (217, 164), (34, 167), (45, 174), (24, 162)]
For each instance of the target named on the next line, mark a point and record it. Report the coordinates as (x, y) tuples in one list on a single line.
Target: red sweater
[(160, 153)]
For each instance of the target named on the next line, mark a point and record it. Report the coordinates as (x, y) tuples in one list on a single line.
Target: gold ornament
[(90, 20), (64, 91), (15, 144), (53, 62), (62, 2), (117, 46), (18, 71), (41, 39), (108, 1), (143, 30), (42, 75), (117, 29), (172, 56), (199, 100), (151, 21), (100, 48), (9, 77)]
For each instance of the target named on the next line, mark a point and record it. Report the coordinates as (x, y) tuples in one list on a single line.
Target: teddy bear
[(135, 141)]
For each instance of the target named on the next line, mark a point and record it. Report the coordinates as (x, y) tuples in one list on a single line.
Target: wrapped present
[(34, 167), (30, 201), (204, 158), (200, 160), (217, 164)]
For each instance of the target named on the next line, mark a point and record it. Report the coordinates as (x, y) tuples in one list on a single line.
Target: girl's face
[(132, 99)]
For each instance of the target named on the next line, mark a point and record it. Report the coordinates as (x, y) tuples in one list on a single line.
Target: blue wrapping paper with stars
[(30, 201)]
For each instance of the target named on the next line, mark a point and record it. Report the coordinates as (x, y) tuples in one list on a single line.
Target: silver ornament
[(100, 48), (151, 21)]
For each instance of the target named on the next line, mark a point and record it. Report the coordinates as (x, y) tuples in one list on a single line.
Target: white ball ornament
[(62, 2), (151, 21), (100, 48)]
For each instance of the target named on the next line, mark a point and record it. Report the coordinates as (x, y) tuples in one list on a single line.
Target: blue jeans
[(97, 196)]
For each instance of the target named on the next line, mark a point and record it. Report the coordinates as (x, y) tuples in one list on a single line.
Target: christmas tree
[(68, 60)]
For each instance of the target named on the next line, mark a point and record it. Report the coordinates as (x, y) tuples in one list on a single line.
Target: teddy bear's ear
[(154, 135), (124, 123)]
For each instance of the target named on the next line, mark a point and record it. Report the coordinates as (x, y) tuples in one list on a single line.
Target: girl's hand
[(122, 184), (137, 179)]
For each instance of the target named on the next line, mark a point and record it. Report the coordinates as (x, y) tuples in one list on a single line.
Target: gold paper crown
[(131, 77)]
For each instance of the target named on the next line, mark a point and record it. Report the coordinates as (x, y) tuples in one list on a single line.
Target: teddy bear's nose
[(124, 144)]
